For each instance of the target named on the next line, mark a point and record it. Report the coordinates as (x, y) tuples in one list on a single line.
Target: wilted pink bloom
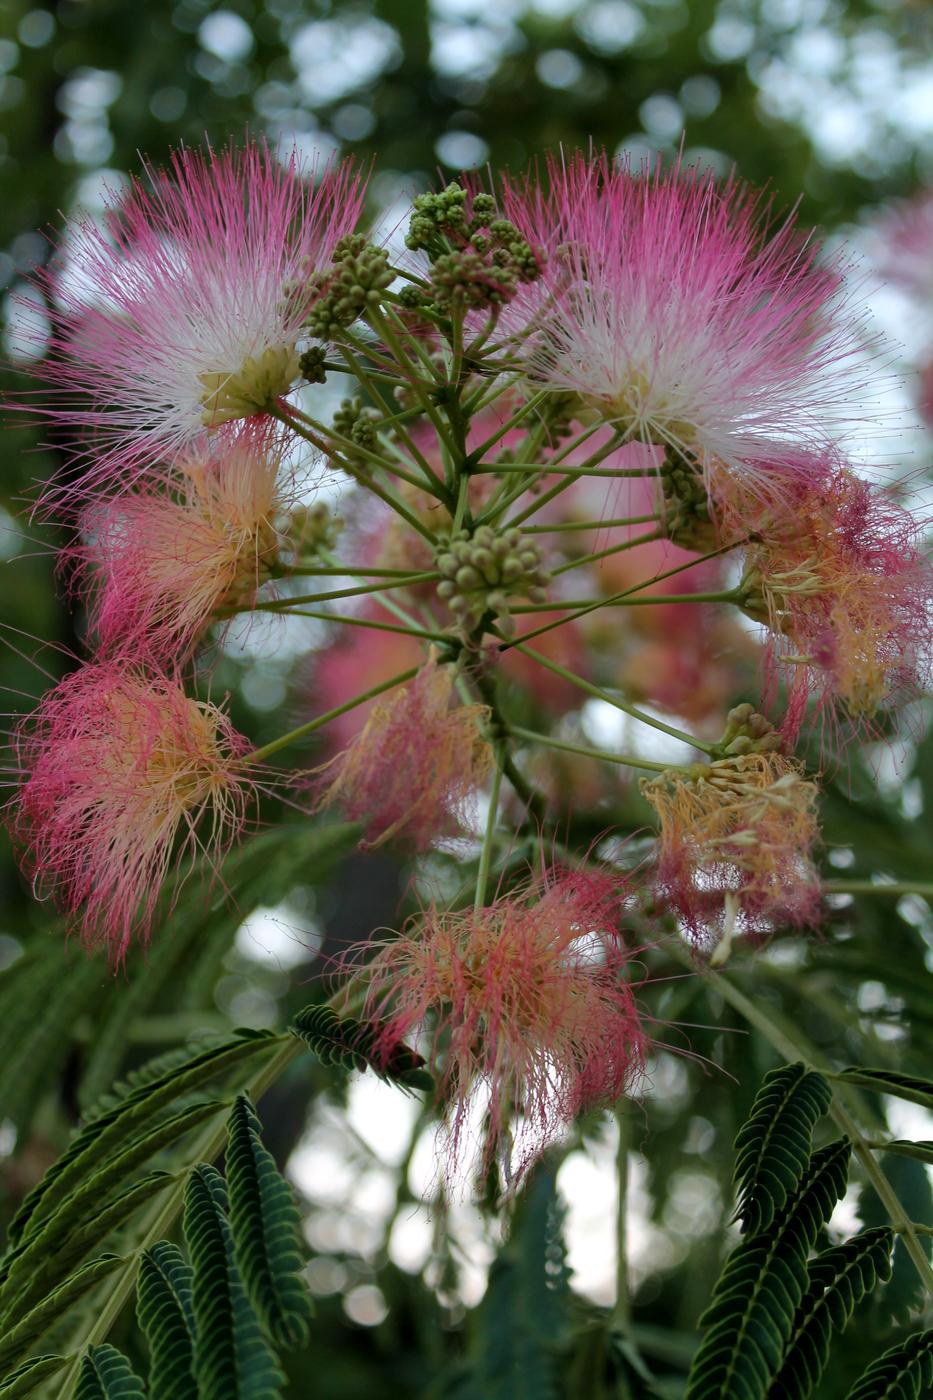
[(416, 765), (163, 558), (736, 841), (670, 308), (529, 1002), (838, 573), (123, 776), (183, 312)]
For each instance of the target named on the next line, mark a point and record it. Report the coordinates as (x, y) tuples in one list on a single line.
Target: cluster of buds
[(313, 530), (477, 259), (482, 571), (747, 731), (353, 285), (355, 421), (686, 502)]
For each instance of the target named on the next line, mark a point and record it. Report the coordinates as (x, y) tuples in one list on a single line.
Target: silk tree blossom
[(124, 775), (736, 841), (416, 766), (162, 559), (184, 309), (529, 1003), (670, 308), (838, 573)]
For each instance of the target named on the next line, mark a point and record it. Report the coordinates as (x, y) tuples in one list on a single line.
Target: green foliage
[(351, 1044), (128, 1111), (751, 1317), (840, 1279), (166, 1318), (25, 1379), (774, 1145), (107, 1375), (232, 1359), (266, 1229), (522, 1323), (59, 1303), (885, 1081), (903, 1373)]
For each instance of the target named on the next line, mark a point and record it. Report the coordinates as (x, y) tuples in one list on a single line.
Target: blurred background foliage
[(820, 100)]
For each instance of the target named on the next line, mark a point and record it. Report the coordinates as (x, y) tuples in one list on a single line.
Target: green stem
[(584, 751), (792, 1050), (521, 413), (404, 629), (482, 873), (653, 600), (892, 888), (616, 597), (293, 736), (621, 1312), (613, 700), (610, 549), (583, 525), (362, 589), (367, 482)]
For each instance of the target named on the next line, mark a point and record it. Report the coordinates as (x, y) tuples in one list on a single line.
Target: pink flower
[(124, 777), (415, 766), (735, 850), (838, 573), (184, 311), (670, 309), (163, 558), (529, 1003)]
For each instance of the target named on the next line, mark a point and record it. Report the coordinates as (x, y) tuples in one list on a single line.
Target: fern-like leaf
[(266, 1229), (232, 1359), (751, 1317), (886, 1081), (26, 1378), (903, 1373), (840, 1279), (52, 1255), (134, 1106), (351, 1044), (59, 1303), (774, 1144), (166, 1316), (106, 1374)]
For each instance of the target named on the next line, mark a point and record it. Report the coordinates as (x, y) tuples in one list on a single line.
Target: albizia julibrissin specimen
[(183, 308), (599, 391), (123, 772), (415, 766), (160, 560), (528, 1004), (670, 308)]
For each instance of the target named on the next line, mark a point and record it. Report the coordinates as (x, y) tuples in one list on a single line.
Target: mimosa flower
[(415, 767), (530, 1005), (184, 310), (123, 776), (735, 845), (838, 575), (163, 559), (670, 308)]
